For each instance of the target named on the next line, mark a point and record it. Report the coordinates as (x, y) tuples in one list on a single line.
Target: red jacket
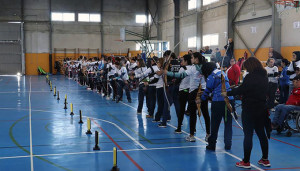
[(233, 74), (294, 98)]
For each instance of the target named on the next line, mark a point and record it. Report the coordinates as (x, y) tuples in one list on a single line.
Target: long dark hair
[(201, 59), (208, 68), (141, 63), (187, 58), (297, 53), (252, 64)]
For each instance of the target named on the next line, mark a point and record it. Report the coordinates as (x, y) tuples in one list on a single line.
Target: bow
[(167, 63), (199, 93), (226, 99)]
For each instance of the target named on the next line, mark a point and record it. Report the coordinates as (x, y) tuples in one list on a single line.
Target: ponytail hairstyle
[(285, 61), (208, 68), (141, 63), (188, 58), (297, 53), (167, 53), (201, 59)]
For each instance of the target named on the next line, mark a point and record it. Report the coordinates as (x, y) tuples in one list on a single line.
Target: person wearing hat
[(293, 103)]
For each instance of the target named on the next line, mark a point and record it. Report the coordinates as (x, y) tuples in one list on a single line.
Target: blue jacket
[(284, 78), (214, 86)]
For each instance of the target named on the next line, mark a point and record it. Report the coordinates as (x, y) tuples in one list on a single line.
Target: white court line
[(94, 152), (7, 92), (230, 154), (30, 130), (134, 140)]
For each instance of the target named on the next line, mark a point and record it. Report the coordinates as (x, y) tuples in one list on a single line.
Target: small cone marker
[(96, 141), (66, 102), (89, 126), (71, 105), (50, 86), (54, 91), (58, 95), (115, 166), (80, 116)]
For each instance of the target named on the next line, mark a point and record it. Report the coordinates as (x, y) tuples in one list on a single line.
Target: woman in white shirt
[(273, 74), (122, 81), (139, 74)]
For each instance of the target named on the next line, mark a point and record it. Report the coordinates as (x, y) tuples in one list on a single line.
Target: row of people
[(189, 82)]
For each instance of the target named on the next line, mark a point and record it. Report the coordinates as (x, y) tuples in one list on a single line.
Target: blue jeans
[(172, 95), (281, 112)]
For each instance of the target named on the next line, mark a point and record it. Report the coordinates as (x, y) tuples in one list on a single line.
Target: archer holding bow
[(195, 79), (219, 109)]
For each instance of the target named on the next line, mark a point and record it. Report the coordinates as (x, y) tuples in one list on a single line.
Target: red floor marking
[(275, 139), (124, 152), (280, 168)]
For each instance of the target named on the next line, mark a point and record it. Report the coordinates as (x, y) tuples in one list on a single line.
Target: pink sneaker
[(242, 164), (265, 163)]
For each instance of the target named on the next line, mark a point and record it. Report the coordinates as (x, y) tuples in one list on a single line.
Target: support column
[(176, 27), (159, 20), (230, 17), (101, 29), (23, 51), (199, 28), (50, 37), (276, 30)]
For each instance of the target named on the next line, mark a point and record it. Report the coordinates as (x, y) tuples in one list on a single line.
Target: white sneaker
[(190, 138)]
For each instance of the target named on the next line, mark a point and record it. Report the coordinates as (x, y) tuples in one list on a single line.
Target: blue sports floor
[(60, 143)]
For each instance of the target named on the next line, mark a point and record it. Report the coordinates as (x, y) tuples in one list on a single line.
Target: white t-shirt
[(123, 71), (139, 73), (160, 82), (195, 78), (272, 70), (112, 69), (290, 68), (185, 83), (155, 69)]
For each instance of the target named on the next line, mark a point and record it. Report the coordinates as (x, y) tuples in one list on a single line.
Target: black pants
[(271, 94), (183, 99), (151, 99), (141, 96), (121, 86), (249, 125), (160, 103), (217, 113), (193, 113)]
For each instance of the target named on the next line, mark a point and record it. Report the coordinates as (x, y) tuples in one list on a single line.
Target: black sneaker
[(209, 147), (149, 116), (227, 147), (162, 125), (178, 131), (129, 101)]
